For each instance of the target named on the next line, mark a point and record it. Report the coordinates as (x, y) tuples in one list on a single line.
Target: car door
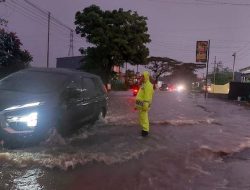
[(101, 103), (89, 97), (73, 101)]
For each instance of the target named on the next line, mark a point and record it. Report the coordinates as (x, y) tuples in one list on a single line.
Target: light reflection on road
[(28, 180)]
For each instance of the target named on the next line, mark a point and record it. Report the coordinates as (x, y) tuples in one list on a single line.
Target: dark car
[(164, 87), (34, 100)]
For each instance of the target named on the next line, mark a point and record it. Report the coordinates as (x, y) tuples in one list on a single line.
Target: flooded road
[(193, 144)]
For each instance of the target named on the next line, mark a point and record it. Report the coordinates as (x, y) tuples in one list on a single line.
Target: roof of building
[(245, 70), (74, 62)]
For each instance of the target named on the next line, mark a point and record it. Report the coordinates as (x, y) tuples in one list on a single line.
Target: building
[(245, 74), (70, 62)]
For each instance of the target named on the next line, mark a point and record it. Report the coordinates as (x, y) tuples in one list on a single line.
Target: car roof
[(69, 72)]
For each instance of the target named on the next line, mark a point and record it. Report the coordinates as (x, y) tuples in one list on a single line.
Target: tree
[(3, 22), (184, 73), (221, 76), (160, 66), (117, 37), (12, 57)]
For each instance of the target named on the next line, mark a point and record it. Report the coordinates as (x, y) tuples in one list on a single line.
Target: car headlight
[(180, 88), (30, 119)]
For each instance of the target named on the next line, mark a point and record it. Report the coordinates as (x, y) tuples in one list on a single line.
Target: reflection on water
[(28, 180)]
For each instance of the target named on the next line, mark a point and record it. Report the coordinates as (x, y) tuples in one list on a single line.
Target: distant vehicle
[(172, 87), (180, 88), (135, 89), (35, 100), (164, 87), (208, 88)]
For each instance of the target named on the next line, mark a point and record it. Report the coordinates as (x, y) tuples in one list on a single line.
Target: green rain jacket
[(145, 94)]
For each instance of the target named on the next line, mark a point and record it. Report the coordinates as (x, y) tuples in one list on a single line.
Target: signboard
[(200, 65), (201, 51)]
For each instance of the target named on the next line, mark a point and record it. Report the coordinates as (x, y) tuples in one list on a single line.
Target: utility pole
[(126, 73), (208, 51), (48, 39), (214, 71), (71, 44), (234, 55)]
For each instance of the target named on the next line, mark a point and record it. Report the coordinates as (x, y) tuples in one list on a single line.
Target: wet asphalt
[(193, 144)]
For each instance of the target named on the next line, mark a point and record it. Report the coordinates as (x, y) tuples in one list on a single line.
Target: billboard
[(201, 51)]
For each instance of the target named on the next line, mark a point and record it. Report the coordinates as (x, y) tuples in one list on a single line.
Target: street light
[(234, 55)]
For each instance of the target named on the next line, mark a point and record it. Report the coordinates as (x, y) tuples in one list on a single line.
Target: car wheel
[(102, 114), (54, 137), (99, 117), (52, 131)]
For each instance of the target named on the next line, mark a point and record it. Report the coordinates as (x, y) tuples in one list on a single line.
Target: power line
[(240, 50), (200, 2), (223, 3), (181, 45), (44, 15), (210, 29), (45, 19), (53, 19), (31, 13), (179, 2), (30, 10), (14, 8), (45, 12), (216, 42), (25, 10), (60, 23), (36, 18), (192, 38)]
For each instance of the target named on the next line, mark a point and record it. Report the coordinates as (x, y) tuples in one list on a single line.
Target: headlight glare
[(34, 104), (180, 88), (30, 119)]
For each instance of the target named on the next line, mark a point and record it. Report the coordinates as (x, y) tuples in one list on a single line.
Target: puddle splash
[(65, 161)]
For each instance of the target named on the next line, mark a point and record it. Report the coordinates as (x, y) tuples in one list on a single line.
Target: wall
[(219, 89)]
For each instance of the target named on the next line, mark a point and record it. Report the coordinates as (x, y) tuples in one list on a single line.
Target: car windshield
[(33, 82)]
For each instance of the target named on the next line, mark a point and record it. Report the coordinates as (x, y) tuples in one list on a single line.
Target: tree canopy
[(173, 70), (184, 73), (160, 66), (12, 57), (116, 36), (221, 75)]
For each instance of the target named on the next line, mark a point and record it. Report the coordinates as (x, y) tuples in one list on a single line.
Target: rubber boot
[(144, 133)]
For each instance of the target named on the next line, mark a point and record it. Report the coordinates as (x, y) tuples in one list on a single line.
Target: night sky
[(174, 26)]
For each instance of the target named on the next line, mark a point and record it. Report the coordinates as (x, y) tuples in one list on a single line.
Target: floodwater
[(193, 144)]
